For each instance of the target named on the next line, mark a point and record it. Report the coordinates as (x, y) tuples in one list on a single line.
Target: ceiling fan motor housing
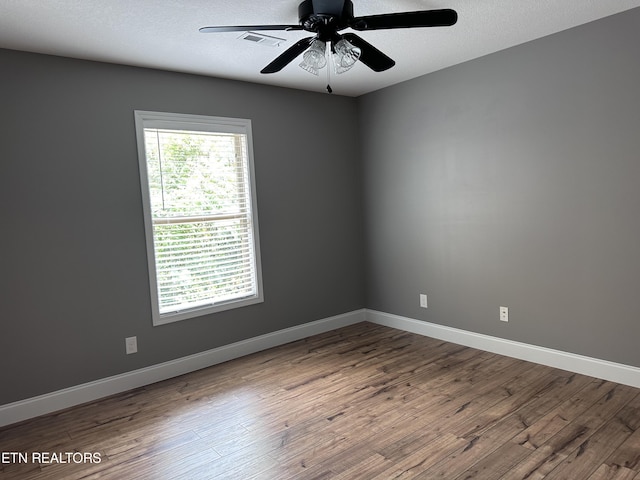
[(325, 16)]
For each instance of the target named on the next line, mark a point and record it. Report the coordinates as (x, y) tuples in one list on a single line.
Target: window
[(200, 213)]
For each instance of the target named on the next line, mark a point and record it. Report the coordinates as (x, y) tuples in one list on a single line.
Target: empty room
[(325, 239)]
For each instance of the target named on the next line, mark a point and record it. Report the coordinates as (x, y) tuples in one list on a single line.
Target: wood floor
[(362, 402)]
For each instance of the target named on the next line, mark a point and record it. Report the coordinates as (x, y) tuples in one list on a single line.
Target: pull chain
[(329, 90)]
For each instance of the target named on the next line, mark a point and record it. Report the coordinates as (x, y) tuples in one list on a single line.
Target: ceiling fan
[(325, 18)]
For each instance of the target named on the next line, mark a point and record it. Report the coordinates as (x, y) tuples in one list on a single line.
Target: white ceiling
[(164, 34)]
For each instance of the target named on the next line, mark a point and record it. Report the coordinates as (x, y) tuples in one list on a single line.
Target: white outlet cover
[(131, 345), (423, 300)]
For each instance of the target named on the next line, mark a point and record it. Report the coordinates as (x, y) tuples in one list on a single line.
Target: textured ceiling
[(164, 34)]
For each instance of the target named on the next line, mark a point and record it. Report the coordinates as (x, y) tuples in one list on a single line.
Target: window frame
[(188, 122)]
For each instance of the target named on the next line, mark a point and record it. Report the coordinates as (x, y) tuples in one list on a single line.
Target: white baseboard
[(51, 402), (593, 367), (87, 392)]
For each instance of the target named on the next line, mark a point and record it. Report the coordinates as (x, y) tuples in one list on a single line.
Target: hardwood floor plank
[(560, 447), (583, 426), (421, 456), (370, 467), (475, 450), (628, 454), (613, 472), (518, 392), (537, 465), (591, 453), (562, 415), (496, 464)]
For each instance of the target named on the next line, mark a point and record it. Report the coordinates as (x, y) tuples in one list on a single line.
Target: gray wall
[(72, 251), (509, 180), (514, 180)]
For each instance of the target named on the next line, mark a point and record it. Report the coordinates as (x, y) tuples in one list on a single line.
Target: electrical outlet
[(423, 300), (131, 344), (504, 314)]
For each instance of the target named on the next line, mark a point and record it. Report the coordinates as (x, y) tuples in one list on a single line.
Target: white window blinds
[(200, 214)]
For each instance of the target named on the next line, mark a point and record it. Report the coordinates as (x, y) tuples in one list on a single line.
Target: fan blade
[(247, 28), (424, 18), (370, 55), (288, 56)]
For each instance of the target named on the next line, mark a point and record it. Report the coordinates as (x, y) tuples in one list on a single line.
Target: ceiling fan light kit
[(345, 56), (325, 19), (314, 58)]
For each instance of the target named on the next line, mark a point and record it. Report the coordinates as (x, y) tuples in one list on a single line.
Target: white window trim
[(147, 119)]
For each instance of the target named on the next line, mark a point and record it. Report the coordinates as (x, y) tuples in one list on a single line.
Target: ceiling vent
[(262, 39)]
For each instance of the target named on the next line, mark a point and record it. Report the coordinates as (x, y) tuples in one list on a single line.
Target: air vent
[(262, 39)]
